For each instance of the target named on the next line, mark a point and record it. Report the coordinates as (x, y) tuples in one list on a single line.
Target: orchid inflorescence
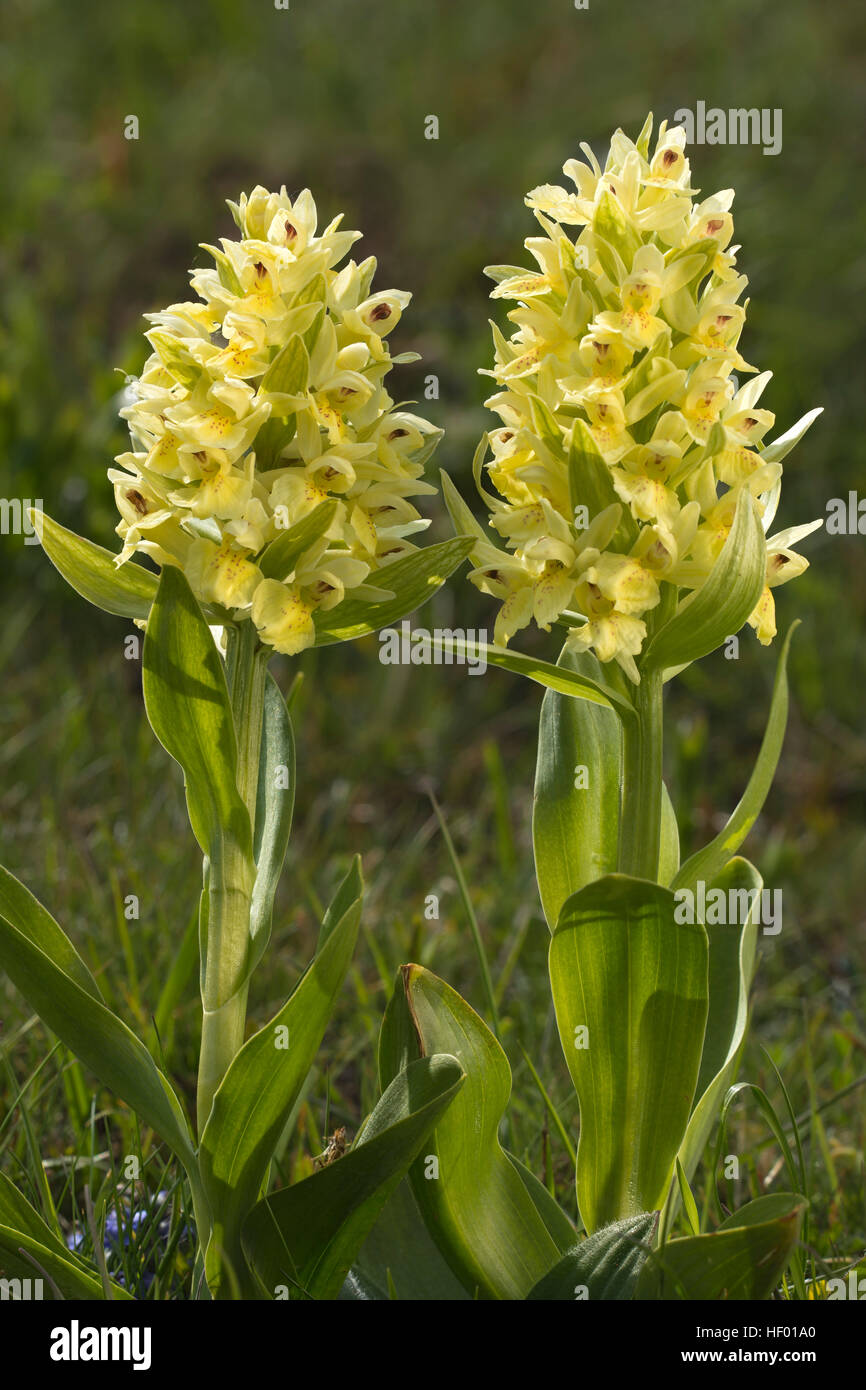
[(626, 438), (262, 401)]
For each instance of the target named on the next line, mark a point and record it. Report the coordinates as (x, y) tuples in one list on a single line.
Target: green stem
[(640, 823), (230, 881)]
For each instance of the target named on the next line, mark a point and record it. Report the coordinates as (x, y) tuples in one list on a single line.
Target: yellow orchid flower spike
[(262, 400), (619, 385)]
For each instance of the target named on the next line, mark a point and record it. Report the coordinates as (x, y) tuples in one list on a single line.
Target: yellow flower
[(284, 620), (783, 564), (263, 399), (222, 574), (617, 382)]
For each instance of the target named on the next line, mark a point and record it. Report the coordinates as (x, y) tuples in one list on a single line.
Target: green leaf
[(669, 846), (127, 590), (18, 905), (731, 966), (21, 1227), (413, 580), (563, 678), (559, 1226), (575, 827), (744, 1259), (274, 809), (710, 860), (347, 894), (187, 703), (38, 967), (70, 1279), (257, 1093), (604, 1266), (688, 1200), (399, 1257), (306, 1237), (478, 1209), (635, 1065), (724, 601), (283, 554)]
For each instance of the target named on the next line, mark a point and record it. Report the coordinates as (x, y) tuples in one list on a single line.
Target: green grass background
[(97, 230)]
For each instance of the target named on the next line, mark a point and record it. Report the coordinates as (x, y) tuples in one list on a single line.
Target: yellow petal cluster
[(627, 434), (262, 399)]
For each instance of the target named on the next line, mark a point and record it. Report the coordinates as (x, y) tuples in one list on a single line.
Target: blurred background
[(98, 229)]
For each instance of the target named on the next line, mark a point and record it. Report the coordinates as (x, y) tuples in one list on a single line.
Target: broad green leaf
[(630, 991), (604, 1266), (283, 554), (710, 860), (305, 1237), (744, 1259), (575, 819), (257, 1093), (669, 846), (17, 1214), (560, 1226), (398, 1255), (413, 580), (473, 1200), (71, 1280), (127, 590), (21, 1226), (97, 1037), (724, 601), (18, 905), (731, 966), (187, 703), (274, 809), (563, 678)]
